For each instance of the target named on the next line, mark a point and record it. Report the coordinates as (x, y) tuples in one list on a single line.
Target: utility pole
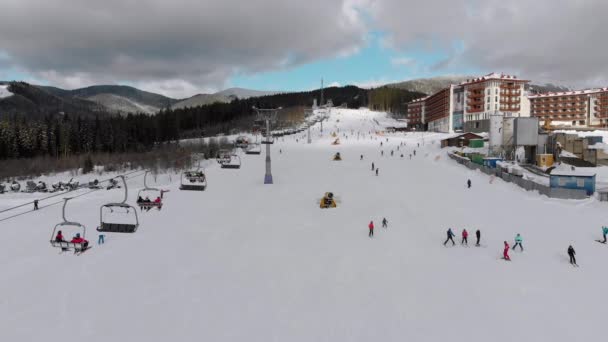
[(267, 115), (321, 104)]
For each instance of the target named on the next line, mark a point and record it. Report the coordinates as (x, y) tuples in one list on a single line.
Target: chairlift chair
[(15, 186), (254, 149), (241, 142), (233, 163), (121, 227), (30, 186), (193, 180), (66, 245), (147, 189)]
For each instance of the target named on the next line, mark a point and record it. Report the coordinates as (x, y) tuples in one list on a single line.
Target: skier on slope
[(391, 153), (373, 166), (469, 183), (384, 222), (371, 228), (571, 254), (505, 252), (450, 235), (361, 157), (465, 236), (478, 236), (518, 241), (377, 170), (605, 233), (414, 152)]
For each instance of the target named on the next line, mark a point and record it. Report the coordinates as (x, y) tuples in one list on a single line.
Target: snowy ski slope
[(244, 261)]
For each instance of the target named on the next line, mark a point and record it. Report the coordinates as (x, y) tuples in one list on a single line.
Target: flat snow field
[(244, 261)]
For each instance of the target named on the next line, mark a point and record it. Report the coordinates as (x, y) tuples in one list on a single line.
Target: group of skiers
[(465, 237), (146, 203), (518, 242), (370, 226)]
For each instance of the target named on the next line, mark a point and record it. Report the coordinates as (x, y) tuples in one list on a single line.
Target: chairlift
[(72, 225), (229, 160), (254, 149), (241, 142), (193, 180), (110, 208), (150, 203), (15, 186), (30, 186)]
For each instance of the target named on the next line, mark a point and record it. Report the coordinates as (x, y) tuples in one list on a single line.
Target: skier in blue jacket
[(605, 233), (518, 241), (451, 235)]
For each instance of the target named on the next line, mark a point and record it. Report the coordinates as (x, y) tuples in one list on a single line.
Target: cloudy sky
[(183, 47)]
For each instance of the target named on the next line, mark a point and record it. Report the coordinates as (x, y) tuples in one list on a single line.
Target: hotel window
[(496, 98), (496, 92), (488, 106), (496, 107), (489, 91)]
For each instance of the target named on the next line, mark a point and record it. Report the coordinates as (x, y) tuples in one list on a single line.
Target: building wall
[(437, 111)]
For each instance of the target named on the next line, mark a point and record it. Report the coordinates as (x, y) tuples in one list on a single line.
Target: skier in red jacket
[(78, 239), (505, 253), (465, 236), (371, 228)]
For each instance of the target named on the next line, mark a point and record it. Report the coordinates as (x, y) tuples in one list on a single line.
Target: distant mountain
[(432, 85), (223, 96), (118, 99), (429, 85), (201, 100), (546, 88), (37, 102), (243, 93)]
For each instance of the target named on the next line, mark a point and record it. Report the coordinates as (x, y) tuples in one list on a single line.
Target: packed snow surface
[(244, 261)]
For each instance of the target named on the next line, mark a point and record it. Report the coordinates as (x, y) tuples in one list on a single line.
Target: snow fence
[(528, 185)]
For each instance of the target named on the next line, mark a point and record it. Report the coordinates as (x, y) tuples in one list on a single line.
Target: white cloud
[(191, 42), (545, 40)]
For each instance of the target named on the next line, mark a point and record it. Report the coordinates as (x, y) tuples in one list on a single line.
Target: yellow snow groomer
[(328, 201)]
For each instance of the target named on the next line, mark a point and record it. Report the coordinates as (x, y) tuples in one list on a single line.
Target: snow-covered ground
[(244, 261), (4, 92)]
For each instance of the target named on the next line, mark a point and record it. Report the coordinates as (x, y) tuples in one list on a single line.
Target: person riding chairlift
[(59, 238), (78, 239)]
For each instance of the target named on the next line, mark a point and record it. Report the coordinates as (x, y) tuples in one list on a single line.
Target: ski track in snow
[(244, 261)]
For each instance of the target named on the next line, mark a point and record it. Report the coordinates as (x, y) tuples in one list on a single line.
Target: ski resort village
[(193, 171)]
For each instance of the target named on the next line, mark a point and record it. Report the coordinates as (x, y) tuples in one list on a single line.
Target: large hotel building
[(572, 108), (467, 106)]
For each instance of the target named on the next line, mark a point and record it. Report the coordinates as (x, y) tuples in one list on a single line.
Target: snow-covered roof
[(493, 76), (575, 173), (569, 93)]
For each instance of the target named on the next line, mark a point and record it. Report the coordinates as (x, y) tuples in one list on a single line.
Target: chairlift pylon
[(119, 227)]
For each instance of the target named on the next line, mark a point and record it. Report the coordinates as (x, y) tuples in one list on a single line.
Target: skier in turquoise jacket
[(518, 241), (605, 232)]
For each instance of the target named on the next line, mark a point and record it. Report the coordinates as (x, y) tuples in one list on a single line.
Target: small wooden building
[(460, 140)]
